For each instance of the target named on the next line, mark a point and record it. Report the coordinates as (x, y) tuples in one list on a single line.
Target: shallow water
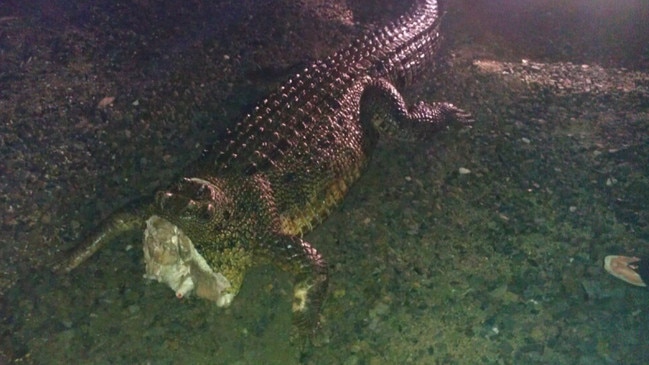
[(483, 245)]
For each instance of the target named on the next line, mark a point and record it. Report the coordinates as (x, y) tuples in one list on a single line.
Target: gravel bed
[(483, 245)]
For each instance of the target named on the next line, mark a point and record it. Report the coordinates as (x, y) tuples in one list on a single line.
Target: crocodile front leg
[(297, 256)]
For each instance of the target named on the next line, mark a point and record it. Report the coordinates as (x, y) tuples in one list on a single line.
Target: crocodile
[(251, 196)]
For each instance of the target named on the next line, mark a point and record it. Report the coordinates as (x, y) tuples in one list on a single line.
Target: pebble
[(107, 101), (133, 308)]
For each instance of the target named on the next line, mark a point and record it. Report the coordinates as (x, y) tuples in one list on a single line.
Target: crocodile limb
[(383, 106), (299, 257)]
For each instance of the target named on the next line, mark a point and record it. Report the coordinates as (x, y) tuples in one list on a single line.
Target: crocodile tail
[(419, 45), (130, 217), (405, 47)]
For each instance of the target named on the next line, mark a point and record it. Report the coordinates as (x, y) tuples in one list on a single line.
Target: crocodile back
[(306, 138)]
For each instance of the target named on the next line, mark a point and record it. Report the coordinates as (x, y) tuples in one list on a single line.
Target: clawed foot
[(452, 112), (463, 116)]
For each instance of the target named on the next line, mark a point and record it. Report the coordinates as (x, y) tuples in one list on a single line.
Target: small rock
[(611, 181), (66, 323), (134, 308), (108, 100)]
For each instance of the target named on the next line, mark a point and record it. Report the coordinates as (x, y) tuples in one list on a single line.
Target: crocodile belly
[(300, 219)]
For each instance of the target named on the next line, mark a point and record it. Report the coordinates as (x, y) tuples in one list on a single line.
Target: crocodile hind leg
[(383, 107), (129, 218)]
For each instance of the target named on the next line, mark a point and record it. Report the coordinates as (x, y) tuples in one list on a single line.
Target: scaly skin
[(286, 165)]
